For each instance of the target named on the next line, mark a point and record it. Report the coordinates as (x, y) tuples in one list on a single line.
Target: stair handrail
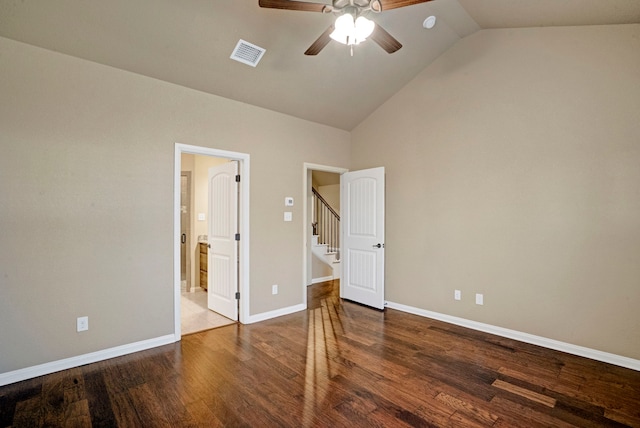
[(315, 192)]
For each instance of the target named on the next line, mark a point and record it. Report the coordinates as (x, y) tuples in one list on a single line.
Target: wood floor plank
[(202, 415), (336, 364), (514, 414), (13, 394), (150, 406), (28, 413), (77, 415), (526, 393), (471, 410), (100, 406)]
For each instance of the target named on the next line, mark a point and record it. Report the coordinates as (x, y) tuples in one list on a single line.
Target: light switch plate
[(288, 216), (288, 201), (201, 216)]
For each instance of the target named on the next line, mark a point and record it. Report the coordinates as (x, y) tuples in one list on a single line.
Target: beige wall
[(86, 178), (513, 170)]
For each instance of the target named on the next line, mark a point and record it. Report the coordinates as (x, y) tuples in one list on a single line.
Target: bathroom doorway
[(196, 314), (191, 302)]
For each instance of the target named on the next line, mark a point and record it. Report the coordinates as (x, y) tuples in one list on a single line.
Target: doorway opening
[(192, 284), (321, 259)]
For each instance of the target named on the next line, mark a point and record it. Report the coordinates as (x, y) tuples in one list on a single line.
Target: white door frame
[(306, 226), (244, 167)]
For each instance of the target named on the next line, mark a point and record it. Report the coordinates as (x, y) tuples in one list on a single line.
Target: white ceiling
[(188, 42)]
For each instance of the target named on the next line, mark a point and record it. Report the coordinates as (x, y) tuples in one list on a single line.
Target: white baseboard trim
[(321, 279), (277, 313), (81, 360), (569, 348)]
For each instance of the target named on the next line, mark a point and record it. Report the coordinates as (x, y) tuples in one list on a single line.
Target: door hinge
[(237, 236), (237, 295), (238, 178)]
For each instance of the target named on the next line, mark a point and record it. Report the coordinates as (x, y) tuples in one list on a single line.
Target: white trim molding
[(277, 313), (569, 348), (81, 360)]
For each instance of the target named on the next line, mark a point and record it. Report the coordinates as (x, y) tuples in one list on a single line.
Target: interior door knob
[(378, 245)]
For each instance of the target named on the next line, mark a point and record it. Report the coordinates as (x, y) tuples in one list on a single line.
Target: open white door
[(223, 247), (362, 206)]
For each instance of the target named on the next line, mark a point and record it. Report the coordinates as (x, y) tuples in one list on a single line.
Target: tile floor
[(195, 316)]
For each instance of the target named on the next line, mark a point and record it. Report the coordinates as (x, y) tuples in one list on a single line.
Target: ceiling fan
[(351, 27)]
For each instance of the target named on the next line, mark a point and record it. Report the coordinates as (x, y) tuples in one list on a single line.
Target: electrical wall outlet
[(274, 289), (82, 324), (457, 294), (479, 299)]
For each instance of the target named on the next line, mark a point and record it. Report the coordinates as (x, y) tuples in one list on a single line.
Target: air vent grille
[(247, 53)]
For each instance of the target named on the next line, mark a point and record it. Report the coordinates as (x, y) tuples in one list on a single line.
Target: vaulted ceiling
[(188, 42)]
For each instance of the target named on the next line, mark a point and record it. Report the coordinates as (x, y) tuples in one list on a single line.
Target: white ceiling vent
[(247, 53)]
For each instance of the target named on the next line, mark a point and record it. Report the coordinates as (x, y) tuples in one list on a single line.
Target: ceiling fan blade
[(320, 42), (385, 40), (394, 4), (292, 5)]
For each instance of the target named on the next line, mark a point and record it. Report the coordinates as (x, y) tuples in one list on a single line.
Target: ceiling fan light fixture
[(344, 24), (364, 28), (351, 32), (344, 28)]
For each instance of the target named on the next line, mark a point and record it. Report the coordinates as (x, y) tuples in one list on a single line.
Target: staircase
[(328, 267), (325, 244)]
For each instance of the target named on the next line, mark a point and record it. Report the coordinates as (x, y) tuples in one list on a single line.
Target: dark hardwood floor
[(337, 364)]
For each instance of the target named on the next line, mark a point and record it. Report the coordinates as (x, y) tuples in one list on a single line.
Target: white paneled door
[(223, 247), (362, 207)]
